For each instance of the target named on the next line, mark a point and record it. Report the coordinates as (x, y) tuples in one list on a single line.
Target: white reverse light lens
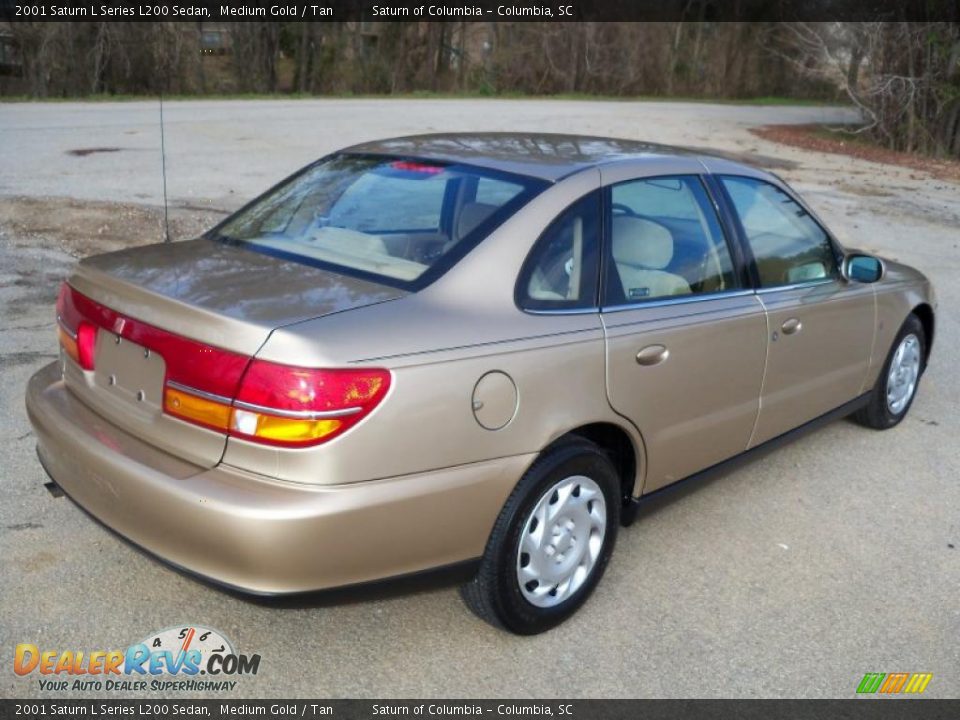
[(245, 422)]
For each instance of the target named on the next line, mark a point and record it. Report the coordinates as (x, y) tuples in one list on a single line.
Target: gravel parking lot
[(791, 577)]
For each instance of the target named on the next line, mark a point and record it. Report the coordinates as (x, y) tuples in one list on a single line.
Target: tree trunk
[(99, 56), (675, 51), (462, 68), (201, 70), (853, 69), (300, 71)]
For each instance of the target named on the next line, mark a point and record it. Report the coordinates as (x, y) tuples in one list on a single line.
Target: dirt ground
[(81, 228), (841, 141), (86, 227)]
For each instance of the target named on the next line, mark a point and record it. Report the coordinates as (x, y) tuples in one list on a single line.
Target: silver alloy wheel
[(903, 375), (561, 541)]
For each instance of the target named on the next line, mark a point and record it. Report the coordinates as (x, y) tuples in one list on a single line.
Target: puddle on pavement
[(83, 152)]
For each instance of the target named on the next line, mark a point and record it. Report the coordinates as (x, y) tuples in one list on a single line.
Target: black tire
[(877, 414), (495, 594)]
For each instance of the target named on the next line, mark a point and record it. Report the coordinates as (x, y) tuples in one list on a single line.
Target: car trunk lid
[(191, 315)]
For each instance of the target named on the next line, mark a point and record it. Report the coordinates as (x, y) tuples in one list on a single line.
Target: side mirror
[(862, 268)]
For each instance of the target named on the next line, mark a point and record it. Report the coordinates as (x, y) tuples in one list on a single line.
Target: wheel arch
[(924, 313), (620, 447)]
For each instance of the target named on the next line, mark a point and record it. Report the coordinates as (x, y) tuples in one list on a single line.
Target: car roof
[(547, 156)]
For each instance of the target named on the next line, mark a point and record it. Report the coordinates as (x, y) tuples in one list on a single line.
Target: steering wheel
[(620, 208)]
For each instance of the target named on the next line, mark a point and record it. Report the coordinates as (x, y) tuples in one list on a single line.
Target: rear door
[(686, 339), (820, 326)]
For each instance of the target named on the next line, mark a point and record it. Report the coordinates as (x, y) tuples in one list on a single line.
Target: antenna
[(163, 161)]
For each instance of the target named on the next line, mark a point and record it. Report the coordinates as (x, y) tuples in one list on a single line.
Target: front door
[(685, 341), (820, 326)]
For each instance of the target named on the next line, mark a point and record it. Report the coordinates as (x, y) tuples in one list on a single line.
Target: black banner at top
[(480, 10)]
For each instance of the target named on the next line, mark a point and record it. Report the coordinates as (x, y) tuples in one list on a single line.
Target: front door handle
[(791, 326), (652, 355)]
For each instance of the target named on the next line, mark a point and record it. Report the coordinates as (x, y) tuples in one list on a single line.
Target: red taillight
[(78, 337), (298, 389), (189, 362), (86, 344), (296, 406), (228, 392)]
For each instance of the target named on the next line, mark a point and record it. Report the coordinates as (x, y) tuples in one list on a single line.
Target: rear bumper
[(255, 534)]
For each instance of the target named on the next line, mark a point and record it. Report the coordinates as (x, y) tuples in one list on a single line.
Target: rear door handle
[(653, 355), (791, 326)]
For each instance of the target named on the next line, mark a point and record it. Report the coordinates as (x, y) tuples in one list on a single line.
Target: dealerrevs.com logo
[(189, 658)]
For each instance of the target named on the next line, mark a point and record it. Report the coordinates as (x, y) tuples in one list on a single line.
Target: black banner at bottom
[(854, 709)]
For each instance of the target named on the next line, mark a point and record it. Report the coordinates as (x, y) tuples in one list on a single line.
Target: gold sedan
[(481, 350)]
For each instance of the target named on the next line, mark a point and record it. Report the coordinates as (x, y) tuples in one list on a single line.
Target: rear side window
[(494, 192), (665, 241), (561, 271), (398, 221), (788, 245)]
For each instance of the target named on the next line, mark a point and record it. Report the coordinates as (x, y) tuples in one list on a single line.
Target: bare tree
[(901, 75)]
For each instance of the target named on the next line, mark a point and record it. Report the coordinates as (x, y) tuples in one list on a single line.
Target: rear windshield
[(402, 222)]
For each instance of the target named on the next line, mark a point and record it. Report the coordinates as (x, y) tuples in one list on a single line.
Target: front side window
[(561, 270), (665, 241), (393, 220), (788, 245)]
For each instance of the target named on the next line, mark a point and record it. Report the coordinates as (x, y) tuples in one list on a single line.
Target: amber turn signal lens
[(68, 344), (79, 348), (196, 409), (282, 430), (282, 405)]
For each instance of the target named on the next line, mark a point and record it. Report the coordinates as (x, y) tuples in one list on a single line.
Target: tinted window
[(389, 219), (493, 192), (788, 245), (561, 271), (381, 202), (665, 241)]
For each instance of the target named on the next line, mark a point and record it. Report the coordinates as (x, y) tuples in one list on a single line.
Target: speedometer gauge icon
[(184, 638)]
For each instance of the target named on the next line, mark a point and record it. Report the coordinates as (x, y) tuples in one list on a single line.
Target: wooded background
[(904, 76)]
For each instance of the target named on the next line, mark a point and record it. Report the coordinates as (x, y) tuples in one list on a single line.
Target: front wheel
[(551, 542), (897, 385)]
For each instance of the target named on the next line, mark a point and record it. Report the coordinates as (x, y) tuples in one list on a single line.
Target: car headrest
[(354, 242), (471, 215), (641, 243)]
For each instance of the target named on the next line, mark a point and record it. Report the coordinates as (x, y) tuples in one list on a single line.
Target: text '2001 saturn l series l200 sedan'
[(452, 349)]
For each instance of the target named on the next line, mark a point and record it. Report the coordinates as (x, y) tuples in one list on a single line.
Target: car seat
[(642, 249)]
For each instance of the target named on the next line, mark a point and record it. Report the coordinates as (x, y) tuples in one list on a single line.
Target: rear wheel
[(551, 543), (897, 385)]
